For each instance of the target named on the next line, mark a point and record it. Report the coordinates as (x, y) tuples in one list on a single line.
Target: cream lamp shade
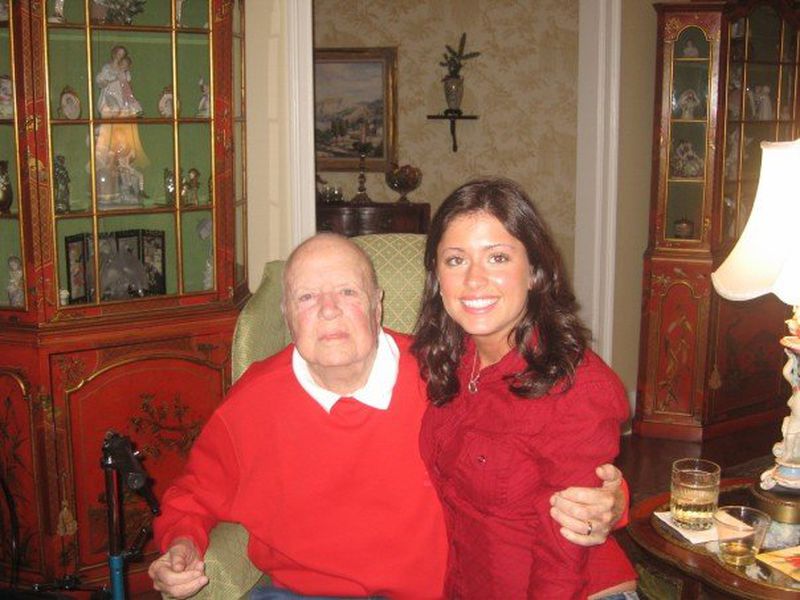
[(767, 256)]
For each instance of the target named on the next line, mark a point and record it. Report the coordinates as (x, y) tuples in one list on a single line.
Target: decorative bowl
[(403, 180)]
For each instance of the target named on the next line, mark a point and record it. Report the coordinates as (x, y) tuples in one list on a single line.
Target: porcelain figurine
[(6, 192), (16, 293), (61, 179), (203, 106), (6, 97)]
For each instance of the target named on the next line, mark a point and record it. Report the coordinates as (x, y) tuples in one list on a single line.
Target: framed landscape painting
[(354, 103)]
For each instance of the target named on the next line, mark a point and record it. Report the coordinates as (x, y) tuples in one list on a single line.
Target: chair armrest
[(231, 575)]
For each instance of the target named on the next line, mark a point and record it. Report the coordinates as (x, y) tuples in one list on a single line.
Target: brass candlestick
[(362, 197)]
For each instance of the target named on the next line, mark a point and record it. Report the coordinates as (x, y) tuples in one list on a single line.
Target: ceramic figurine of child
[(16, 294)]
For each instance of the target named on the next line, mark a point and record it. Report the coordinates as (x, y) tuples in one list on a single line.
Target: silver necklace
[(472, 385)]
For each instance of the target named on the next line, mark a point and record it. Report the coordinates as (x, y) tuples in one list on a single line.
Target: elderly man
[(315, 453)]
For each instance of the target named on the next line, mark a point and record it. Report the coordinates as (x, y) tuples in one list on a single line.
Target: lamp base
[(781, 506)]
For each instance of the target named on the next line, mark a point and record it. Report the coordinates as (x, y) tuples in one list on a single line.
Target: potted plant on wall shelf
[(453, 81)]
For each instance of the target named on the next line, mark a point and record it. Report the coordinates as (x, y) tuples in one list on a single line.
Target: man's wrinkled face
[(331, 306)]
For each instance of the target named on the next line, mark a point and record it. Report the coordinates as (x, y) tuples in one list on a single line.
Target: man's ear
[(379, 305)]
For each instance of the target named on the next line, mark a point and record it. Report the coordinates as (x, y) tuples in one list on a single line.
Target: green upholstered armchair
[(260, 332)]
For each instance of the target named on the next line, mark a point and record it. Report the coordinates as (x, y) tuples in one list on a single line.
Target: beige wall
[(637, 73), (523, 87), (525, 99)]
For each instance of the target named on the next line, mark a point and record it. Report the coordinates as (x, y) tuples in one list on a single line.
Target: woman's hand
[(587, 515)]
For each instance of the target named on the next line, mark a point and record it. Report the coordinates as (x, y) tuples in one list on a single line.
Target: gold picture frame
[(355, 91)]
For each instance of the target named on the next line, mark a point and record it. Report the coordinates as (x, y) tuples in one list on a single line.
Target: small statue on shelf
[(760, 99), (114, 79), (58, 12), (685, 161), (61, 179), (6, 98), (688, 102), (116, 12), (131, 180), (204, 229), (6, 192), (3, 11), (690, 50), (166, 102), (190, 187), (169, 187), (16, 293), (203, 106)]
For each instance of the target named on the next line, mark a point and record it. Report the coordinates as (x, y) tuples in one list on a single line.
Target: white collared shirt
[(377, 392)]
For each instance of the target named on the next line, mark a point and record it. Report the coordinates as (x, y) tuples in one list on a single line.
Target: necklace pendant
[(472, 387)]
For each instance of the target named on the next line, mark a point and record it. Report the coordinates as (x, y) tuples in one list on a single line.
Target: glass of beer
[(694, 493), (741, 531)]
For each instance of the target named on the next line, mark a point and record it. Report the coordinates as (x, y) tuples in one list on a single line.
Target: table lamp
[(766, 259)]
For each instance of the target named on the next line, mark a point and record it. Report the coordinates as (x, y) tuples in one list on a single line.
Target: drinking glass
[(741, 531), (694, 493)]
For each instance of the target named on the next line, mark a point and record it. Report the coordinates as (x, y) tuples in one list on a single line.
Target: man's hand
[(179, 571), (587, 515)]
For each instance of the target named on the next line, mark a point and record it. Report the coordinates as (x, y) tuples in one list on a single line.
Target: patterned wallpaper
[(523, 87)]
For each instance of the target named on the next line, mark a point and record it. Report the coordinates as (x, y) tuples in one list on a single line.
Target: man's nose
[(329, 305)]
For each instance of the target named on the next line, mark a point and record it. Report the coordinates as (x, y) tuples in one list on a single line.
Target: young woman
[(520, 406)]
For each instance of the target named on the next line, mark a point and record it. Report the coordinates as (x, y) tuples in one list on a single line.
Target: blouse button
[(481, 459)]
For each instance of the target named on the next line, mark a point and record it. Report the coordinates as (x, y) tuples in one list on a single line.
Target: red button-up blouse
[(496, 459)]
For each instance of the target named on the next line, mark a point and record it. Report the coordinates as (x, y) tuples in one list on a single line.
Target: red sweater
[(496, 459), (335, 504)]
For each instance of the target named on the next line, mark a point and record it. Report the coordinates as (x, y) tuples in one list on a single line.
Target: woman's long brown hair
[(549, 335)]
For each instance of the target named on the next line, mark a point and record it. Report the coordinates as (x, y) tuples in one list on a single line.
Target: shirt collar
[(376, 393)]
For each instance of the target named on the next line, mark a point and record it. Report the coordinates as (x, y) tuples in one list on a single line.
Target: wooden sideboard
[(352, 219)]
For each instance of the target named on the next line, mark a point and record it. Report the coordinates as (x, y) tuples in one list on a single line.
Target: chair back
[(261, 331)]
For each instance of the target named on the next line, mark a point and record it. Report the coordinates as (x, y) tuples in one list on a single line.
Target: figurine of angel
[(14, 288), (203, 106), (6, 97), (688, 102)]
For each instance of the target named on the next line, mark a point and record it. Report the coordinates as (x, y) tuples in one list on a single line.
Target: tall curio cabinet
[(122, 255), (726, 80)]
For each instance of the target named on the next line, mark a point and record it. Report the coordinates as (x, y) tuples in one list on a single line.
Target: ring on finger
[(589, 528)]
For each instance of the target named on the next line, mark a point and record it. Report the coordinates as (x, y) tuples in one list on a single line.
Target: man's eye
[(349, 292), (305, 297)]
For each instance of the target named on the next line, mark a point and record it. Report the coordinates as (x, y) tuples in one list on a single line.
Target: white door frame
[(600, 25)]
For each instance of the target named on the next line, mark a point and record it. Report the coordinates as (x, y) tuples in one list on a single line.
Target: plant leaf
[(470, 55), (462, 42), (450, 50)]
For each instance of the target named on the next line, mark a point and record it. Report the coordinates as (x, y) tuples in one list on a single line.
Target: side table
[(701, 573)]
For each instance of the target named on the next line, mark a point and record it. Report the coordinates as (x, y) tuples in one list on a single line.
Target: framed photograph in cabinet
[(355, 93), (153, 260)]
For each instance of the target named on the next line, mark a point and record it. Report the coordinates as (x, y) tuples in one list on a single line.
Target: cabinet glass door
[(12, 260), (688, 167), (761, 106), (131, 129)]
